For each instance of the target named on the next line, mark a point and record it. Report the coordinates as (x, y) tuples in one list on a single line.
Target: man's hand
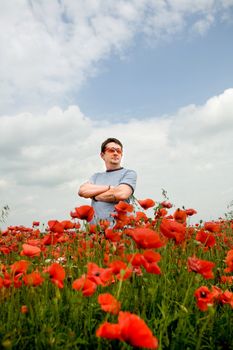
[(89, 190), (115, 194)]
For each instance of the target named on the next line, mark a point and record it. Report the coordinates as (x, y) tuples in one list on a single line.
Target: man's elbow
[(122, 196), (82, 192)]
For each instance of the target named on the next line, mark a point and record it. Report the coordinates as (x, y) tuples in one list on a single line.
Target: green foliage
[(62, 319)]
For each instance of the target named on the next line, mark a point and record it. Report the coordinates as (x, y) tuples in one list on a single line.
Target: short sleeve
[(92, 179), (129, 178)]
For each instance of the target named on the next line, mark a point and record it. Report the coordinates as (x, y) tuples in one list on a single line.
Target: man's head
[(109, 140), (111, 153)]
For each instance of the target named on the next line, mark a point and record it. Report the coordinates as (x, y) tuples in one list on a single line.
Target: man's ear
[(102, 155)]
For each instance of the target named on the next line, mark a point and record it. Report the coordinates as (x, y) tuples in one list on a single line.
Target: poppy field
[(150, 282)]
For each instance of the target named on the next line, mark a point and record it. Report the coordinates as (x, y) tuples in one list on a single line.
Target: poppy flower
[(85, 285), (135, 331), (190, 212), (30, 250), (33, 279), (131, 329), (204, 298), (146, 238), (135, 259), (109, 304), (113, 236), (226, 298), (99, 275), (166, 204), (161, 212), (206, 238), (84, 212), (109, 331), (35, 223), (140, 216), (180, 215), (212, 226), (150, 262), (146, 203), (24, 309), (226, 279), (55, 226), (20, 266), (57, 274), (124, 207), (204, 267), (173, 229), (67, 224), (229, 261), (120, 269), (50, 239)]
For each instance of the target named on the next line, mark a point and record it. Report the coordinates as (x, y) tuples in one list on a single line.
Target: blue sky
[(159, 79), (158, 75)]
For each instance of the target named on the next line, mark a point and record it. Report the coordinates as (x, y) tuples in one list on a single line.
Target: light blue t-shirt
[(111, 178)]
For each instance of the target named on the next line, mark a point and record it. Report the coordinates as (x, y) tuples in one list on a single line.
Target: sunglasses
[(113, 150)]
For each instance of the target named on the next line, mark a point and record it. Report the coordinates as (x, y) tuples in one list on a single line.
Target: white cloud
[(49, 48), (47, 156)]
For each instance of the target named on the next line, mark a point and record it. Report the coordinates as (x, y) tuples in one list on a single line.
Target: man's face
[(112, 155)]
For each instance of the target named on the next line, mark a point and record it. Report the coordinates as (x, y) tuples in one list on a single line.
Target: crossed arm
[(105, 193)]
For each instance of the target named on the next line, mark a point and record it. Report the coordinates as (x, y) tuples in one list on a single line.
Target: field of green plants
[(154, 282)]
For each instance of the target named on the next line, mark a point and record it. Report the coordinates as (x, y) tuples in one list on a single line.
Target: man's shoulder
[(129, 171)]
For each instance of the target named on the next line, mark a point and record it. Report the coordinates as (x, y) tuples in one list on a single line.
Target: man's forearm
[(107, 196), (89, 190)]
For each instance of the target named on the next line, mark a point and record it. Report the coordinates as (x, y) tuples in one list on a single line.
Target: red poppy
[(146, 203), (131, 329), (146, 238), (55, 226), (85, 285), (135, 259), (33, 279), (24, 309), (204, 298), (190, 212), (204, 267), (124, 207), (180, 216), (120, 269), (165, 204), (30, 250), (36, 223), (109, 331), (109, 304), (113, 236), (135, 331), (151, 256), (84, 212), (229, 261), (173, 229), (206, 238), (67, 224), (212, 226), (50, 239), (226, 298), (99, 275), (161, 212), (20, 266), (57, 274), (226, 279)]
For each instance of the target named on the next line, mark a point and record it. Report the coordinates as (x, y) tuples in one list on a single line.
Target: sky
[(156, 74)]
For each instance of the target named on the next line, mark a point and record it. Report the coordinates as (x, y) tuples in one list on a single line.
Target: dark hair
[(110, 139)]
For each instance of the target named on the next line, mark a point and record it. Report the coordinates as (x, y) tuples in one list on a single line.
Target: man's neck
[(109, 170), (112, 167)]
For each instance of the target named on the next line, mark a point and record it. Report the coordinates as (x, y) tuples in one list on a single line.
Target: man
[(115, 184)]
